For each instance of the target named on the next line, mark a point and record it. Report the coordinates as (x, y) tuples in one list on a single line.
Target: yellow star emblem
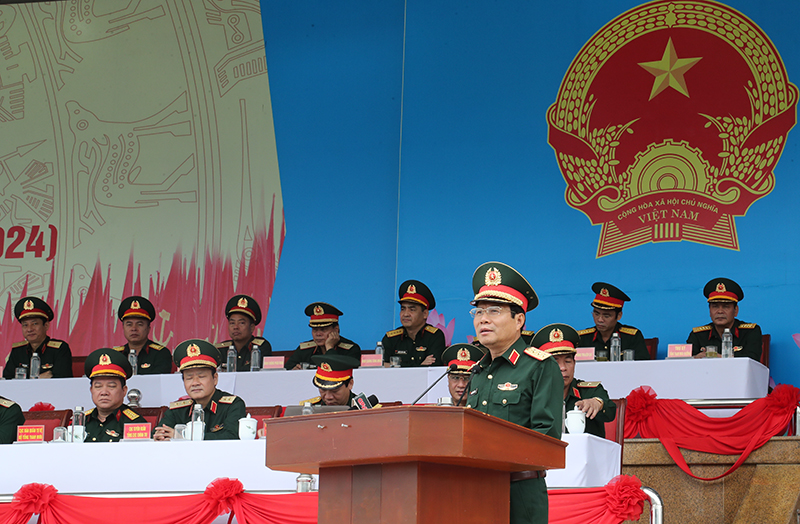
[(669, 71)]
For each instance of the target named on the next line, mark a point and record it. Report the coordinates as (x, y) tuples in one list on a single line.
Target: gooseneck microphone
[(452, 367)]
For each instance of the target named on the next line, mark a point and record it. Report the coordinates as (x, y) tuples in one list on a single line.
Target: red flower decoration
[(784, 397), (33, 498), (640, 404), (42, 406), (223, 492), (625, 497)]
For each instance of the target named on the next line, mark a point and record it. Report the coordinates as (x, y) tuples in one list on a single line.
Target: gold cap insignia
[(28, 305), (193, 350), (556, 335), (463, 354), (721, 288), (493, 277), (318, 310), (105, 359), (135, 305), (242, 302), (604, 292), (325, 367), (412, 290)]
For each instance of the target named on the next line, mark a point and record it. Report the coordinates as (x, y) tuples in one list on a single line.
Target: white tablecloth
[(591, 461)]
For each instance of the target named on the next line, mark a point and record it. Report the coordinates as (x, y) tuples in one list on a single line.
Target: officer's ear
[(619, 315)]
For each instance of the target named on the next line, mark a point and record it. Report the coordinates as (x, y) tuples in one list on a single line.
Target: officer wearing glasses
[(464, 357)]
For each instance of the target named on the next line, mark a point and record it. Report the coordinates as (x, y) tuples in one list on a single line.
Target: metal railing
[(656, 506)]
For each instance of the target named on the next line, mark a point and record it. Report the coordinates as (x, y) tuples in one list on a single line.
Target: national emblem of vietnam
[(670, 122)]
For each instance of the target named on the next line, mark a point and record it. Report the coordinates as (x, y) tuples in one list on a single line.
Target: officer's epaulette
[(527, 333), (587, 331), (224, 343), (537, 353), (132, 415), (310, 400), (227, 399), (307, 345), (118, 348), (18, 344), (628, 330), (345, 345), (54, 343), (259, 341), (588, 384), (394, 332), (6, 403), (431, 329), (157, 347), (748, 326), (700, 329), (89, 412), (180, 403)]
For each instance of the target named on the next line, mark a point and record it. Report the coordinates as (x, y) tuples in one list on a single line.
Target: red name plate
[(273, 362), (371, 361), (30, 433), (679, 351), (137, 431), (584, 354)]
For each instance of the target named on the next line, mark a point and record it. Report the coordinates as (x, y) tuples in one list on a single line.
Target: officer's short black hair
[(515, 309)]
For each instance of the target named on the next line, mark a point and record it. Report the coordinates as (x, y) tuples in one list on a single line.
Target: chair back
[(77, 365), (765, 349), (652, 347), (152, 415), (615, 430), (49, 419), (262, 413)]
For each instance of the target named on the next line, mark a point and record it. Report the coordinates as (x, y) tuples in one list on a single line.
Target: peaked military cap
[(608, 296), (498, 282), (107, 362), (416, 291), (557, 339), (723, 290), (244, 305), (195, 353), (32, 307), (464, 356), (322, 314), (333, 370), (136, 306)]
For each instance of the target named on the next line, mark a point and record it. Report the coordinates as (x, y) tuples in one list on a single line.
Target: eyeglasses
[(491, 311)]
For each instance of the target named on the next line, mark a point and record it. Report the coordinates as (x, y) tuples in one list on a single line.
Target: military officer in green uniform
[(244, 314), (108, 370), (10, 417), (416, 342), (560, 340), (463, 357), (606, 312), (723, 296), (136, 313), (197, 361), (514, 382), (34, 315), (324, 324), (334, 379)]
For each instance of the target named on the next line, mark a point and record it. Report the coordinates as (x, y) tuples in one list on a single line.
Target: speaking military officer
[(244, 314), (197, 361), (334, 379), (463, 357), (416, 342), (560, 340), (607, 312), (108, 371), (136, 313), (34, 315), (516, 383), (723, 296), (324, 324), (10, 418)]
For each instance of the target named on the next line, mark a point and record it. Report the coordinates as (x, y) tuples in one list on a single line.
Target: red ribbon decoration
[(620, 500)]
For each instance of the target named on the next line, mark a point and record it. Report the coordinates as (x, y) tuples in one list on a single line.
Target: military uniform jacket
[(579, 390), (630, 338), (113, 428), (430, 341), (10, 417), (153, 359), (243, 356), (221, 415), (306, 350), (746, 339), (55, 356)]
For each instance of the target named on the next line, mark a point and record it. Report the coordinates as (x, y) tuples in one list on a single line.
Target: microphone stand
[(453, 367)]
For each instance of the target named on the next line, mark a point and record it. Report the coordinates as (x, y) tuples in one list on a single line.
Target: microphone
[(361, 401), (477, 368), (452, 367)]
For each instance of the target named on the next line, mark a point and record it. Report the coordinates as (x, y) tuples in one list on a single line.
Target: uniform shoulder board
[(6, 403), (132, 415), (748, 326), (700, 329), (259, 341), (310, 400), (629, 330), (588, 384), (224, 343), (345, 345), (587, 331), (118, 348), (18, 344), (308, 345), (54, 343), (537, 353), (227, 399), (180, 403), (157, 347), (431, 329), (394, 332), (89, 412), (527, 333)]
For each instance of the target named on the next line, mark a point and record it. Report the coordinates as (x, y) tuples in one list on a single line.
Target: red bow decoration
[(33, 498), (625, 497), (42, 406)]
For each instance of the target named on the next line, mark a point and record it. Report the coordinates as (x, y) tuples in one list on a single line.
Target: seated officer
[(464, 356), (244, 315), (108, 370), (416, 342), (334, 379), (136, 314), (197, 361), (607, 311), (590, 397), (723, 304), (324, 324), (34, 315), (10, 417)]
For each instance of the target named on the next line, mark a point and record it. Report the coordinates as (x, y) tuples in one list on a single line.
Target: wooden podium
[(410, 464)]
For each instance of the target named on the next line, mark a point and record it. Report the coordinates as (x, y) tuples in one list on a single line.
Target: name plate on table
[(273, 363), (137, 431), (679, 351), (584, 354), (371, 361), (30, 433)]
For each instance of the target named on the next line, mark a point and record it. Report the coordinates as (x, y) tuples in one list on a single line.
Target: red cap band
[(505, 293)]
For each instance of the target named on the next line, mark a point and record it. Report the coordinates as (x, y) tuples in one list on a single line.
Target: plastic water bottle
[(231, 362), (36, 365), (134, 360), (308, 409), (198, 415), (255, 359), (616, 348), (78, 428), (379, 348), (727, 344)]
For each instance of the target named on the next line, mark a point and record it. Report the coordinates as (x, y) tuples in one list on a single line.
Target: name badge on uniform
[(508, 386), (401, 352)]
